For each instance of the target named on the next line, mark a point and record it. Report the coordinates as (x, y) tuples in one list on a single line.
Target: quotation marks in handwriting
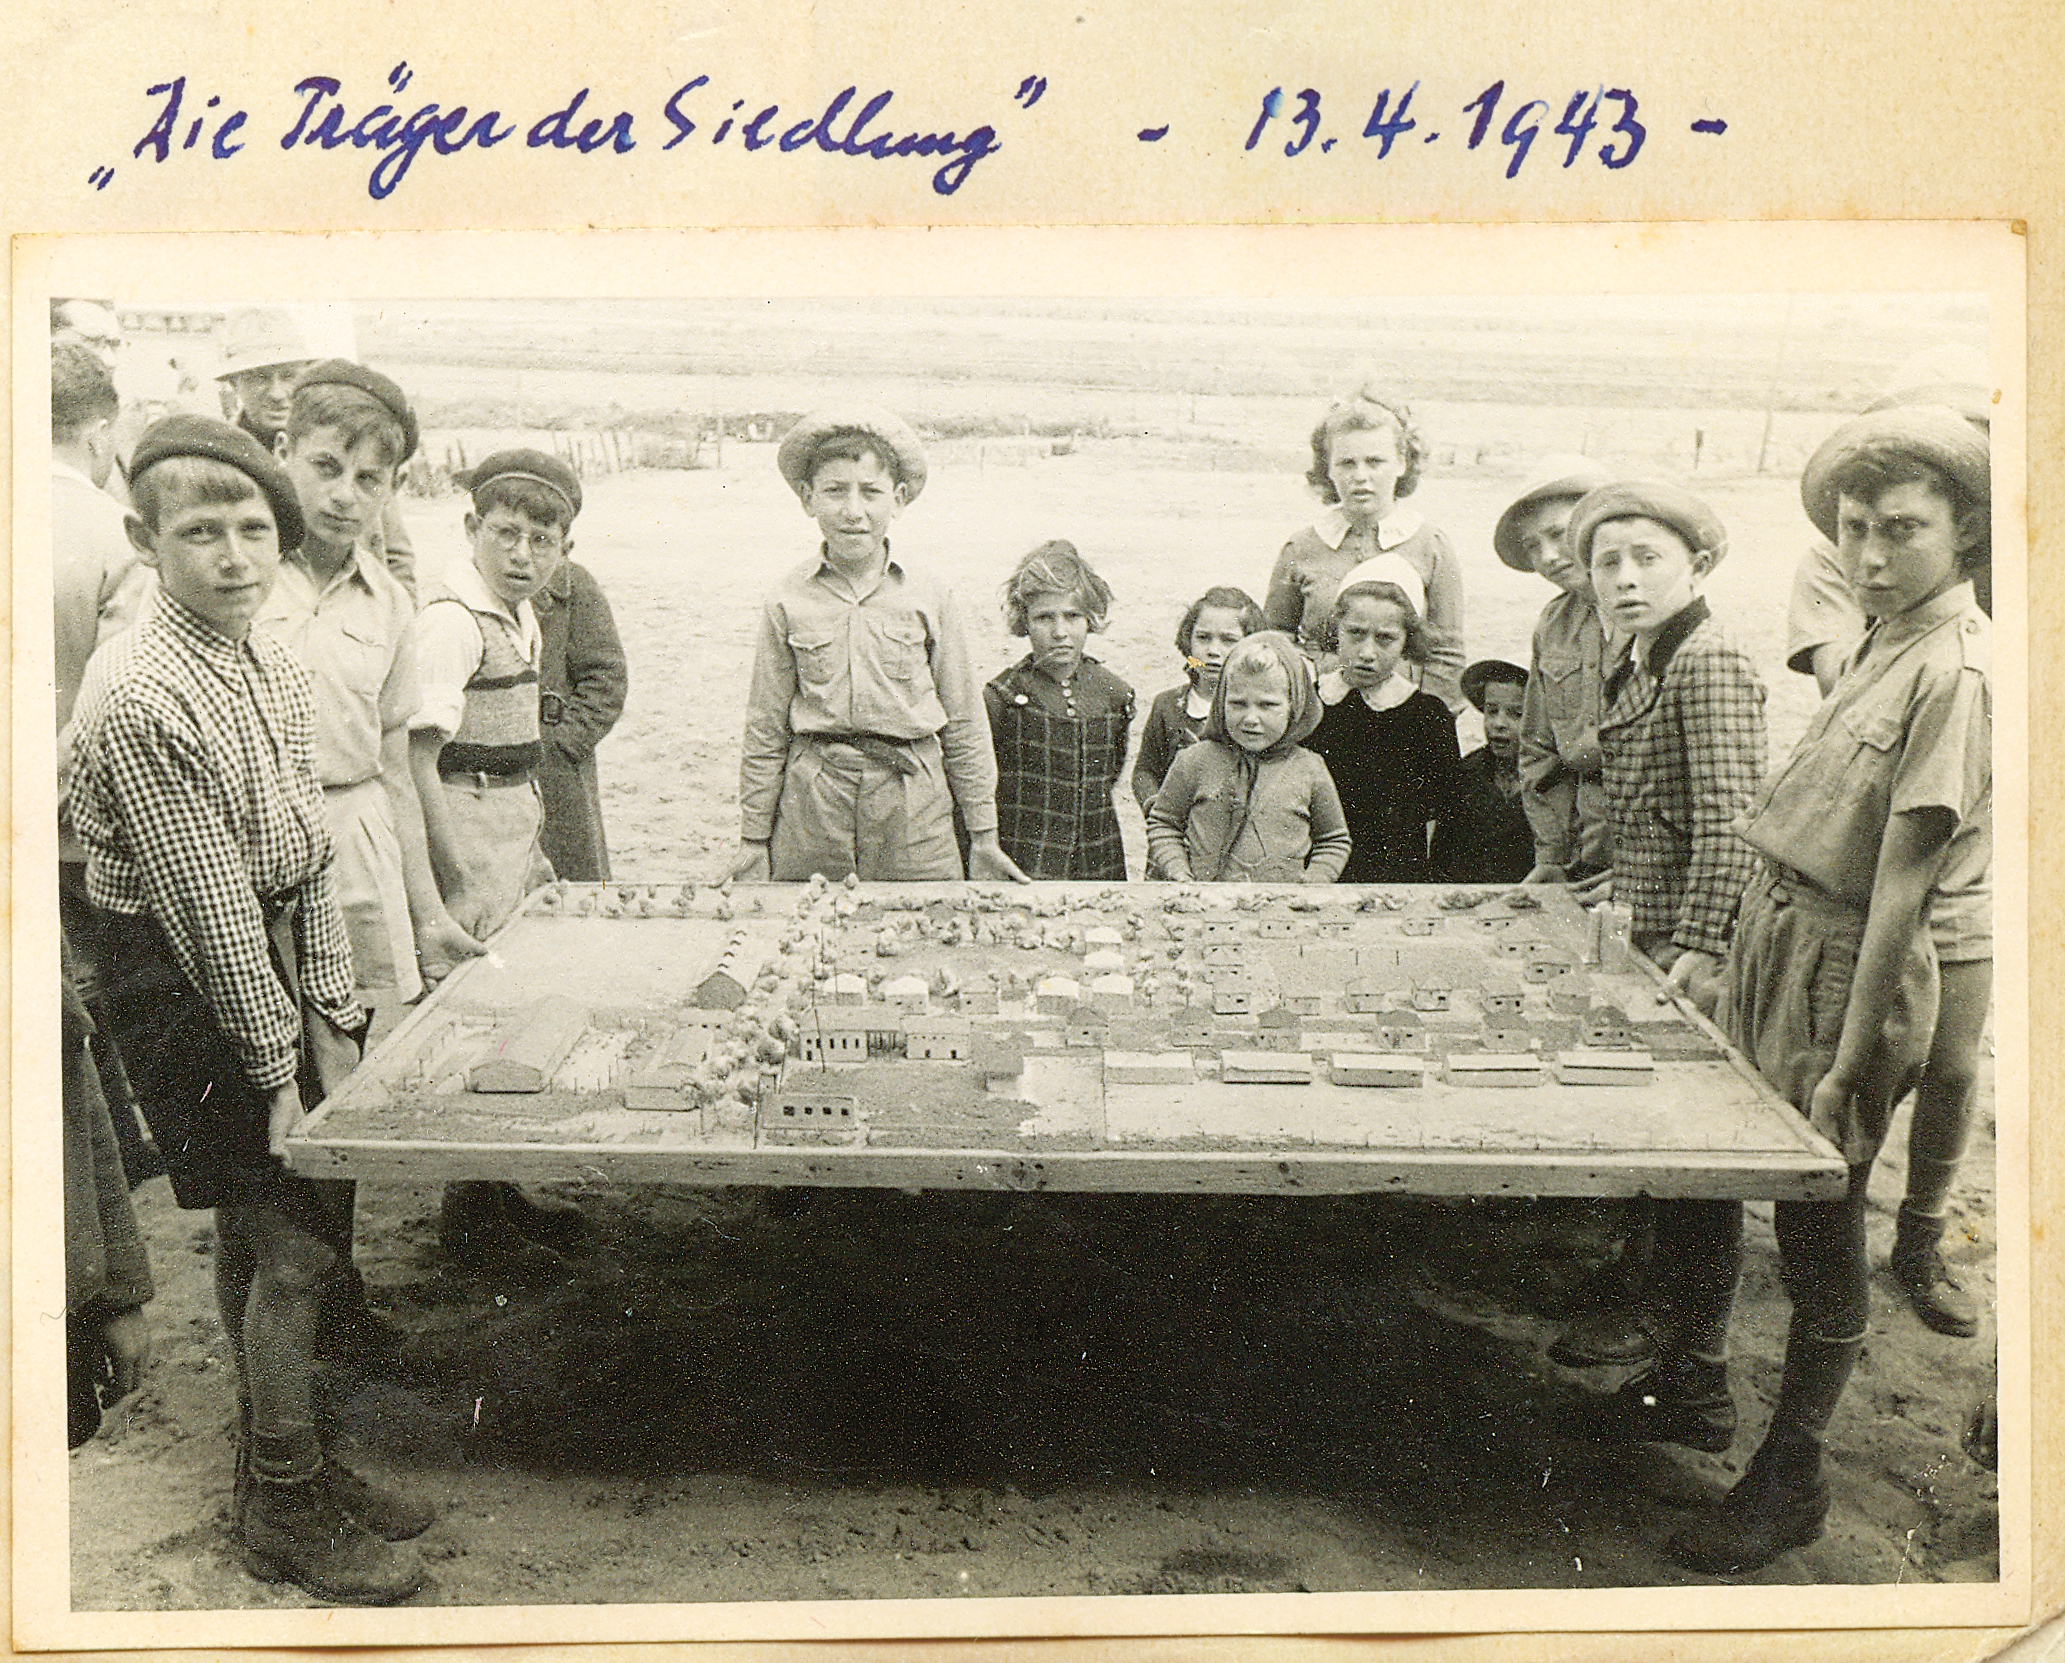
[(401, 75), (1603, 119), (1029, 91), (100, 178)]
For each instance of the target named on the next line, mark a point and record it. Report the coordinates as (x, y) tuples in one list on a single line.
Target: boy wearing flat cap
[(228, 982), (1682, 744), (1824, 625), (1852, 835), (865, 725), (1559, 726), (265, 351), (475, 746)]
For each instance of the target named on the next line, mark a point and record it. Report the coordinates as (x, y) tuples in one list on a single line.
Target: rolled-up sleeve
[(448, 650)]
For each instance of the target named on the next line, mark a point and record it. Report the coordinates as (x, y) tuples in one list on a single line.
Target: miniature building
[(1221, 953), (1401, 1031), (1219, 929), (1192, 1026), (939, 1039), (1275, 927), (1104, 961), (1303, 987), (1102, 936), (1260, 1068), (978, 999), (1085, 1025), (1570, 997), (1232, 1000), (835, 1035), (1363, 1068), (1278, 1029), (1111, 994), (849, 989), (1506, 1036), (1606, 1028), (1430, 995), (1142, 1068), (1057, 995), (810, 1117), (1364, 995), (724, 988), (1500, 998), (1540, 971), (908, 993)]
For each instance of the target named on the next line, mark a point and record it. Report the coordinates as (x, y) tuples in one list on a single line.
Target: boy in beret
[(265, 351), (228, 968), (1682, 753), (1852, 836), (475, 744), (352, 628), (865, 726)]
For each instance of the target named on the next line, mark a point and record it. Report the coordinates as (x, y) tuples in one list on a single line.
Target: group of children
[(295, 794), (290, 783), (1818, 913)]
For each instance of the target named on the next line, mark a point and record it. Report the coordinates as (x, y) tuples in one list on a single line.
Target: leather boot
[(1682, 1400), (1781, 1501), (474, 1231), (293, 1530), (392, 1515), (1917, 1265)]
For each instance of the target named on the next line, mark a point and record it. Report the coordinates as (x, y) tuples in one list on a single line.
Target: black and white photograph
[(1076, 934)]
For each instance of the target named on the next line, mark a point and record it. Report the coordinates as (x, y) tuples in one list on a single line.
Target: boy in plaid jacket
[(1683, 748)]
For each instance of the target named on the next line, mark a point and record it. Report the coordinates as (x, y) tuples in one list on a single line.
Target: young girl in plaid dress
[(1059, 722)]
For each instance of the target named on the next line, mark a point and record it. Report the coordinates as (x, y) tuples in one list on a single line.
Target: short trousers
[(207, 1119), (846, 810), (1786, 990), (366, 878), (496, 828)]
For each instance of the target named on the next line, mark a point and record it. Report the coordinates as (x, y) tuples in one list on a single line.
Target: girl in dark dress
[(1390, 747), (1059, 721), (1485, 837)]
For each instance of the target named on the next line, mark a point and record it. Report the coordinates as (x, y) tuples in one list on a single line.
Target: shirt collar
[(1331, 528), (205, 642), (1664, 646), (1917, 621), (829, 574), (353, 570), (59, 465), (467, 585)]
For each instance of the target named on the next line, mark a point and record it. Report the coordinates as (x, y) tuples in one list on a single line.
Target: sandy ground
[(955, 1396)]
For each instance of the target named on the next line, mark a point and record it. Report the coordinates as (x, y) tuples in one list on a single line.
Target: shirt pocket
[(815, 653), (898, 647), (362, 661), (1563, 694)]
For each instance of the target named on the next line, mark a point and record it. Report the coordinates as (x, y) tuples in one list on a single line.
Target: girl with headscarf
[(1248, 803)]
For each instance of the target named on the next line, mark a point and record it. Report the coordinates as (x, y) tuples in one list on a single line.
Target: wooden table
[(687, 1036)]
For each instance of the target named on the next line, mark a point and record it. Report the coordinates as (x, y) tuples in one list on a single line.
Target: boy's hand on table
[(283, 1118), (1698, 976), (751, 865), (440, 945), (1831, 1099), (987, 861), (1593, 891)]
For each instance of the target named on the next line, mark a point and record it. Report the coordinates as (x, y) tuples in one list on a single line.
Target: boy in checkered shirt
[(1682, 743), (228, 984)]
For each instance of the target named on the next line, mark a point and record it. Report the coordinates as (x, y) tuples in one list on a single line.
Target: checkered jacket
[(1056, 772), (1683, 743)]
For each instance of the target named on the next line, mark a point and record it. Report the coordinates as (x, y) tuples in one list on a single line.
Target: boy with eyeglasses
[(476, 727)]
